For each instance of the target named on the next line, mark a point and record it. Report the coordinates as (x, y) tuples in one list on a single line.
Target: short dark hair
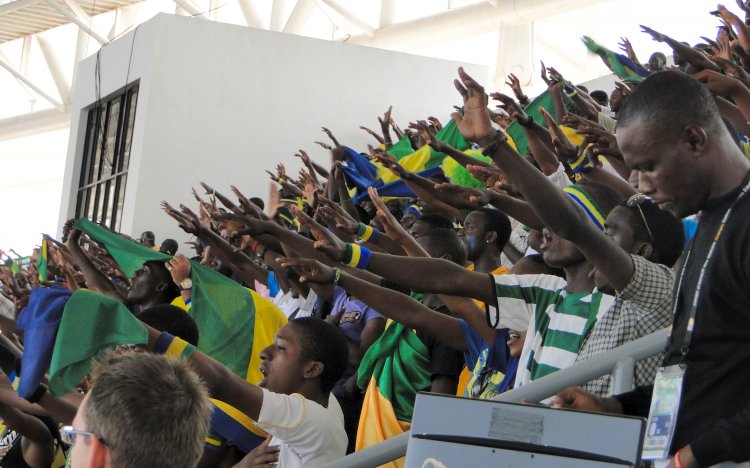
[(149, 235), (258, 202), (444, 242), (171, 319), (436, 221), (668, 232), (323, 342), (599, 96), (498, 222), (169, 247), (669, 101)]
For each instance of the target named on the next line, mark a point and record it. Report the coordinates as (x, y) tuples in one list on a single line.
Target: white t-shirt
[(307, 433)]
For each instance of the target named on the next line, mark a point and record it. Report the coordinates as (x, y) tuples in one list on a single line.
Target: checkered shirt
[(643, 307)]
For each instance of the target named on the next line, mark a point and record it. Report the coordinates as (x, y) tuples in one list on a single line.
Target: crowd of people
[(467, 258)]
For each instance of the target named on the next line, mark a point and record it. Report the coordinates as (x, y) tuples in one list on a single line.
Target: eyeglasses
[(635, 202), (68, 435)]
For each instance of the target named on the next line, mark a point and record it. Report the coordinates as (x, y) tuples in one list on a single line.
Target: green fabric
[(91, 323), (515, 130), (401, 149), (225, 314), (41, 261), (400, 364), (129, 255), (223, 310), (620, 65), (450, 135), (458, 174)]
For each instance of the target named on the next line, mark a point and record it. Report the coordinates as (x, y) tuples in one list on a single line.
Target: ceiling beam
[(82, 22), (348, 17), (30, 84), (55, 69)]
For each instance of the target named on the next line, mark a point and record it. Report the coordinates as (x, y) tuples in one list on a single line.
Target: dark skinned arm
[(95, 279)]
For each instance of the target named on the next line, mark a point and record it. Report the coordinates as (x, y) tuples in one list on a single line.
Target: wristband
[(497, 140), (570, 91), (38, 394), (368, 233), (172, 346), (336, 276), (359, 257), (677, 462), (581, 164)]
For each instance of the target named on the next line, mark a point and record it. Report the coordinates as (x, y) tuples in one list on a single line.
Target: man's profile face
[(558, 252), (144, 285), (667, 170), (473, 234), (282, 362)]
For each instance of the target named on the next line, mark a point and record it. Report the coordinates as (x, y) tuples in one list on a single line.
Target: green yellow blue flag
[(393, 370), (620, 65), (41, 261)]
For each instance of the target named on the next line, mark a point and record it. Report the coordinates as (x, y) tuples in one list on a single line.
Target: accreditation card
[(662, 416)]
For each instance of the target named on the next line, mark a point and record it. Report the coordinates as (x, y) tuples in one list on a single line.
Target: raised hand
[(435, 123), (655, 35), (515, 85), (461, 194), (373, 134), (546, 78), (323, 145), (627, 47), (391, 163), (564, 149), (185, 222), (338, 216), (429, 136), (475, 124), (514, 110), (333, 247), (330, 135), (390, 224), (491, 176), (304, 157), (179, 267), (310, 271)]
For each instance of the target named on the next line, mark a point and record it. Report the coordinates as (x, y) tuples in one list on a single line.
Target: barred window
[(106, 155)]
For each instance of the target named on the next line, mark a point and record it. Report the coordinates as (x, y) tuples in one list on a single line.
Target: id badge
[(662, 416)]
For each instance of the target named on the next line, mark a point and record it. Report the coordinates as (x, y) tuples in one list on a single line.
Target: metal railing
[(619, 362)]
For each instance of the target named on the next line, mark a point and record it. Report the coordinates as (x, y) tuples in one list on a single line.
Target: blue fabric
[(690, 225), (496, 357), (359, 172), (273, 285), (398, 188), (39, 321)]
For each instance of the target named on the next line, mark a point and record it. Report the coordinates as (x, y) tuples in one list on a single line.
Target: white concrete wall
[(221, 103)]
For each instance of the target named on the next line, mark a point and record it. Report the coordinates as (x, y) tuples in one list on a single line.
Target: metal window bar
[(619, 362)]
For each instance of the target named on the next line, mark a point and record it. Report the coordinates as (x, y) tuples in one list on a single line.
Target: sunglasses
[(635, 202)]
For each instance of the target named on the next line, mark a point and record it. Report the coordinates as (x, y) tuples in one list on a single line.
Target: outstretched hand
[(310, 271), (333, 247)]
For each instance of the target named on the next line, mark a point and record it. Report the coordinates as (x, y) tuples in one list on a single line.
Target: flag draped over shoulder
[(41, 261), (234, 323), (90, 324), (620, 65), (393, 370)]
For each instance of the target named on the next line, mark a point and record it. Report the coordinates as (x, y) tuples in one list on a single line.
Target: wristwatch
[(187, 283)]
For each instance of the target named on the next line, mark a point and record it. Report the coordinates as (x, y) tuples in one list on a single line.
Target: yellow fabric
[(574, 137), (414, 162), (463, 381), (378, 422), (268, 320)]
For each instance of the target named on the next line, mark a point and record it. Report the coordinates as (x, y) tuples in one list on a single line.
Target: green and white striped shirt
[(556, 322)]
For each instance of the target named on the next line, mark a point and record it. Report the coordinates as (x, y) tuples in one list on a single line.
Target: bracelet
[(336, 275), (570, 91), (357, 257), (173, 346), (38, 394), (498, 139), (677, 462)]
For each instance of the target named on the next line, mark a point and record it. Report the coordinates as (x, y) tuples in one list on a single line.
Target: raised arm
[(557, 211)]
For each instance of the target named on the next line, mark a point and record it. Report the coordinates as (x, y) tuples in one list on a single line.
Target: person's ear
[(313, 369), (695, 138), (447, 256), (645, 250), (162, 286), (491, 237), (101, 456)]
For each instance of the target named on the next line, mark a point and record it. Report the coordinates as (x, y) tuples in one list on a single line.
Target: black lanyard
[(699, 286)]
